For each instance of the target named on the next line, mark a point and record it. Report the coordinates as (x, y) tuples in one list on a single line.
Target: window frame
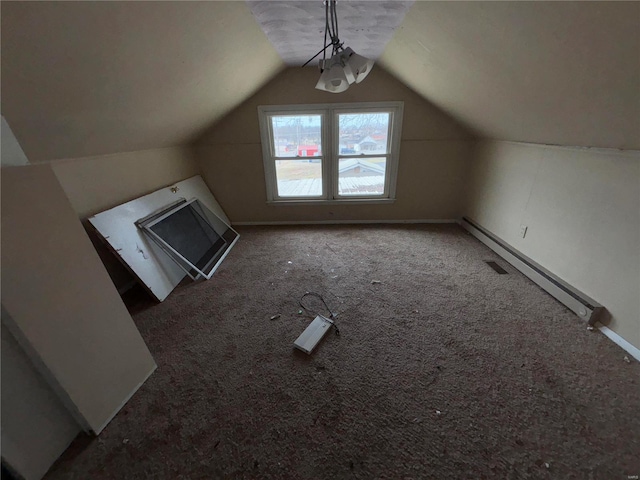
[(214, 222), (330, 147)]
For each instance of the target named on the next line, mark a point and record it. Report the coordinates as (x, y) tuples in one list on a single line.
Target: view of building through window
[(298, 136), (362, 136), (363, 147), (361, 177)]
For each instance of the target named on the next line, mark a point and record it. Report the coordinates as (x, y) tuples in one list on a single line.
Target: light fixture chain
[(345, 66)]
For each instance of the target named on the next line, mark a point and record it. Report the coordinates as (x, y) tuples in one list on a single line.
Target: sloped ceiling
[(564, 73), (296, 27), (91, 78)]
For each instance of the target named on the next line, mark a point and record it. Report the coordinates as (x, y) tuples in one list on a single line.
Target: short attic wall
[(434, 154), (581, 209), (95, 184)]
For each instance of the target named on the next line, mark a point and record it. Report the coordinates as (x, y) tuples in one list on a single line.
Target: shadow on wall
[(121, 277), (434, 154), (296, 85)]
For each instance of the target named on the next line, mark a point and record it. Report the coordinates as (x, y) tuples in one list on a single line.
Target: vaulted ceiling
[(91, 78), (565, 73)]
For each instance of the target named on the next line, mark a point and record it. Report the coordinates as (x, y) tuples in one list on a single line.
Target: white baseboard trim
[(621, 342), (344, 222), (124, 402)]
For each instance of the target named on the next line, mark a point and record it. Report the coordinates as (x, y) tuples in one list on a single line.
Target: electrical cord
[(330, 30), (321, 51), (335, 24), (333, 33), (326, 29), (306, 309)]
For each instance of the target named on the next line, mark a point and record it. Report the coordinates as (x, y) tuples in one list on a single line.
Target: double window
[(331, 153)]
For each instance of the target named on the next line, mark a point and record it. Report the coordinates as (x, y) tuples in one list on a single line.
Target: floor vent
[(497, 267), (575, 300)]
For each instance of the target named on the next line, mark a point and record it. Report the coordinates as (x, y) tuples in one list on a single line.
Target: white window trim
[(330, 151)]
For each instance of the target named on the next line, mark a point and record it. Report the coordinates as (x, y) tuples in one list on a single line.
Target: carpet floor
[(443, 369)]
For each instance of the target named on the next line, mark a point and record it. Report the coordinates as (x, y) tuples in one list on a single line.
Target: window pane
[(361, 176), (363, 133), (297, 135), (299, 178), (191, 235)]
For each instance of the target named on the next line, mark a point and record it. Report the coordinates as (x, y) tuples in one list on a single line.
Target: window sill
[(348, 201)]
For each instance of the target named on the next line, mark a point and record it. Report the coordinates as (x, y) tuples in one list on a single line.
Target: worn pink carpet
[(443, 370)]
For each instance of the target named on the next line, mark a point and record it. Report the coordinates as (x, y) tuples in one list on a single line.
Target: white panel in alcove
[(148, 262)]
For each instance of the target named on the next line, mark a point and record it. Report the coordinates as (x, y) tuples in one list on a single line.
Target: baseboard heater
[(583, 306)]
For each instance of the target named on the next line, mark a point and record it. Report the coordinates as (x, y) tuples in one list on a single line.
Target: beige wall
[(434, 154), (582, 209), (95, 184), (61, 301), (36, 427)]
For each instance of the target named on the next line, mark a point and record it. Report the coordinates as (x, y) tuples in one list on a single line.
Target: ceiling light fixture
[(345, 66)]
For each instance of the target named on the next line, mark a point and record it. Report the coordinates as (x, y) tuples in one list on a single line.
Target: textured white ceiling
[(296, 28)]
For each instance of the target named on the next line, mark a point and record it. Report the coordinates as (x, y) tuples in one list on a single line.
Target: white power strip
[(309, 339)]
